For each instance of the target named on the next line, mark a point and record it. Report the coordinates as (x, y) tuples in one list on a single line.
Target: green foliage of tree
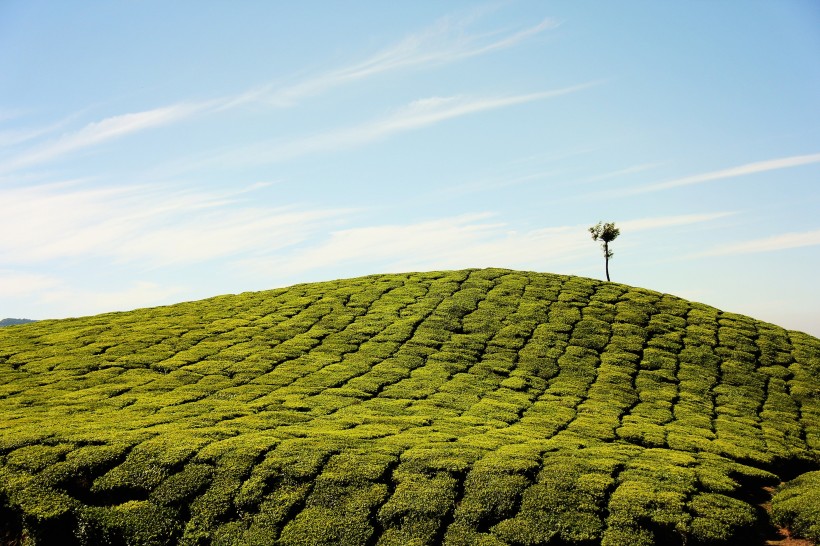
[(606, 232)]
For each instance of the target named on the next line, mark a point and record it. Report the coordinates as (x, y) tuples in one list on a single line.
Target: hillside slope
[(470, 407)]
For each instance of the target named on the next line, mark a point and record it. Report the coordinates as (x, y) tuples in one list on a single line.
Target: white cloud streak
[(416, 115), (622, 172), (441, 44), (74, 302), (30, 295), (14, 137), (477, 240), (733, 172), (15, 284), (769, 244), (101, 131), (144, 225), (502, 182), (496, 183), (644, 224)]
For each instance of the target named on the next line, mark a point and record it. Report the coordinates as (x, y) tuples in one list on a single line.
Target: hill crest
[(461, 407)]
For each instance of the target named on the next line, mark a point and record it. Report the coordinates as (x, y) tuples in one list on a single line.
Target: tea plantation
[(484, 407)]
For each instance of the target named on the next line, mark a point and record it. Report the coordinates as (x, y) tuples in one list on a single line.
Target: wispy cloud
[(643, 224), (15, 137), (521, 171), (101, 131), (416, 115), (15, 284), (474, 240), (72, 301), (568, 179), (223, 234), (733, 172), (32, 295), (145, 225), (634, 169), (769, 244), (442, 43), (7, 114), (495, 183), (453, 242), (435, 109)]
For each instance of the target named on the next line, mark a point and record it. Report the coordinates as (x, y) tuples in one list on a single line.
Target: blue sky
[(155, 152)]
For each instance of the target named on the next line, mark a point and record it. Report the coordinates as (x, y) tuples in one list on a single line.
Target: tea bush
[(485, 407)]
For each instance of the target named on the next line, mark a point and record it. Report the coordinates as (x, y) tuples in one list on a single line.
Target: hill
[(14, 321), (468, 407)]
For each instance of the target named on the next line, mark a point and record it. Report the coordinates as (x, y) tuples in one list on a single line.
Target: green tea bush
[(417, 507), (719, 519), (335, 516), (469, 407), (134, 523), (796, 505), (35, 458), (183, 485)]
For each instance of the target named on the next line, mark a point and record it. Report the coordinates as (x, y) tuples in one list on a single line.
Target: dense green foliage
[(482, 407), (797, 505)]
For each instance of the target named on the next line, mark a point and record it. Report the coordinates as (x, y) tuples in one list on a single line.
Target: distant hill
[(14, 321), (486, 407)]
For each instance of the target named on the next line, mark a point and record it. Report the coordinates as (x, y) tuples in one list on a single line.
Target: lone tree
[(606, 233)]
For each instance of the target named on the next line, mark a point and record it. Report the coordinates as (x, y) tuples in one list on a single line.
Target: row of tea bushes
[(463, 407)]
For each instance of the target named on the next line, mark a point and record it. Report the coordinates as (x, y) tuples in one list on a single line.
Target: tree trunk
[(606, 257)]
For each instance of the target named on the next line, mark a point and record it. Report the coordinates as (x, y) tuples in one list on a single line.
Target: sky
[(155, 152)]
